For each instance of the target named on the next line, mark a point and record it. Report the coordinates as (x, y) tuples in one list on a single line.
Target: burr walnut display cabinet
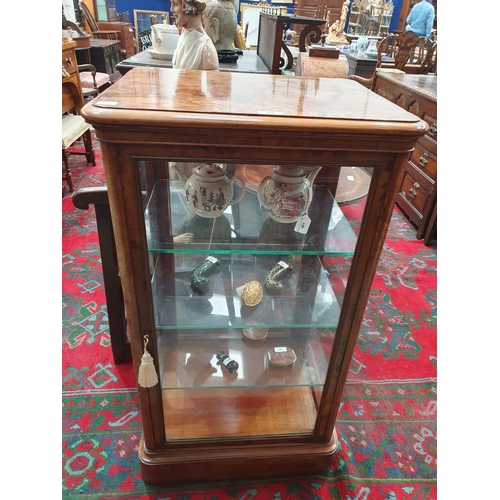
[(230, 241)]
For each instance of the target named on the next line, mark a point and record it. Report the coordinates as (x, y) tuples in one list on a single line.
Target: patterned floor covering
[(387, 421)]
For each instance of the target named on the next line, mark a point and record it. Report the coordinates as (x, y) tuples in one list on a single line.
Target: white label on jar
[(280, 349), (212, 259), (226, 361)]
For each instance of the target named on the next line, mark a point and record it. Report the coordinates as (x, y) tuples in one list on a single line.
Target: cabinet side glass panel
[(246, 305)]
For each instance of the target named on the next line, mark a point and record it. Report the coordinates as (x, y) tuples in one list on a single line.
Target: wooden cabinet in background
[(104, 55), (418, 194), (125, 34), (72, 87)]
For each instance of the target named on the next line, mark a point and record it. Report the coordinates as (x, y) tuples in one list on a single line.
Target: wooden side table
[(271, 43)]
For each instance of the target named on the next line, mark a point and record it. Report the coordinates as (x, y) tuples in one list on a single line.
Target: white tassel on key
[(147, 373)]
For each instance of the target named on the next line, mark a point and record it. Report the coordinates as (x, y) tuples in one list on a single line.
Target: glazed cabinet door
[(249, 262)]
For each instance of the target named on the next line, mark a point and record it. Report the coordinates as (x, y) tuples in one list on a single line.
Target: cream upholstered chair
[(74, 127)]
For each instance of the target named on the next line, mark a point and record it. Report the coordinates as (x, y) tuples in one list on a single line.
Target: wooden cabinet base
[(235, 462)]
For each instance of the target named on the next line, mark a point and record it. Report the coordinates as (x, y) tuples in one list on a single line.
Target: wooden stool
[(321, 66)]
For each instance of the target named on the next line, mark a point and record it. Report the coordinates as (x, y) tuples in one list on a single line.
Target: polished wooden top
[(154, 90), (423, 84)]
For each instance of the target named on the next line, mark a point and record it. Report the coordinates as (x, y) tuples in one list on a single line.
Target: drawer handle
[(410, 94), (416, 185), (423, 159), (69, 62), (412, 192), (434, 128)]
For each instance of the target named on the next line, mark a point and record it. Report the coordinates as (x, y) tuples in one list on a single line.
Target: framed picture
[(250, 20), (142, 25)]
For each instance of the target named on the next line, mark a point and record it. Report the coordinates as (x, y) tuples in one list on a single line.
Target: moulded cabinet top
[(423, 84), (168, 106), (147, 93)]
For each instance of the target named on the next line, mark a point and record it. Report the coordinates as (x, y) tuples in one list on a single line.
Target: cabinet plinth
[(265, 419)]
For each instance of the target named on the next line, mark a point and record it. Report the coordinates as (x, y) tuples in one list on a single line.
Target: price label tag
[(302, 224), (350, 178), (239, 290), (280, 349)]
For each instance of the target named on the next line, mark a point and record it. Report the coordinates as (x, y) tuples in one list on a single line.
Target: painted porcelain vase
[(287, 193), (208, 191)]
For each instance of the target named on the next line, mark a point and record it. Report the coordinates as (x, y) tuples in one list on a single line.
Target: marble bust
[(220, 22)]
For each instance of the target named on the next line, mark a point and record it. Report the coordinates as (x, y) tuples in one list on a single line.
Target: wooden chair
[(74, 126), (92, 81), (409, 52), (98, 196), (94, 27)]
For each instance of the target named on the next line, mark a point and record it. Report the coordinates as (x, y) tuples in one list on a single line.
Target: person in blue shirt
[(421, 18)]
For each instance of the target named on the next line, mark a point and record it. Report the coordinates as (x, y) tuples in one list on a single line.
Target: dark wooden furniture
[(73, 125), (248, 62), (319, 9), (200, 422), (94, 28), (125, 35), (98, 196), (270, 40), (406, 52), (105, 55), (418, 193)]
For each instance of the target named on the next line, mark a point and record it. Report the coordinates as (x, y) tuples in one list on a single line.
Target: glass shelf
[(245, 227), (193, 364), (306, 300)]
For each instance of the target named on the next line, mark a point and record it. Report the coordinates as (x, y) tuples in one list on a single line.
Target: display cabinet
[(230, 243), (370, 18)]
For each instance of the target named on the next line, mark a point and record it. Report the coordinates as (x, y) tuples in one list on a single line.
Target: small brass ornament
[(252, 293)]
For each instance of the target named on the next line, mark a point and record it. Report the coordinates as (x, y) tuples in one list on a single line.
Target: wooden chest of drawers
[(72, 88), (418, 194), (125, 35)]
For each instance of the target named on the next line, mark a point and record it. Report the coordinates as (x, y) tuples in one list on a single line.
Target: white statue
[(220, 20), (336, 35)]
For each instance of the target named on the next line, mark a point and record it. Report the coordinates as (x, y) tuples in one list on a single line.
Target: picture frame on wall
[(142, 26)]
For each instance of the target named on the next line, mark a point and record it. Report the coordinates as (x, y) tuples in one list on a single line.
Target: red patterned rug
[(387, 421)]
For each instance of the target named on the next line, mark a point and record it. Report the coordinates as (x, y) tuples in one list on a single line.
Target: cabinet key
[(412, 192)]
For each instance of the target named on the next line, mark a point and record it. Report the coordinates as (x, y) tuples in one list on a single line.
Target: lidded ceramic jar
[(208, 191), (287, 193)]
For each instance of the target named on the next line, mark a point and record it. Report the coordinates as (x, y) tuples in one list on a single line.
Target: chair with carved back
[(407, 52)]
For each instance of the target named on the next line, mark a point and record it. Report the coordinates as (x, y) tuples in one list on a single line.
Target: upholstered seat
[(74, 127), (92, 81)]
